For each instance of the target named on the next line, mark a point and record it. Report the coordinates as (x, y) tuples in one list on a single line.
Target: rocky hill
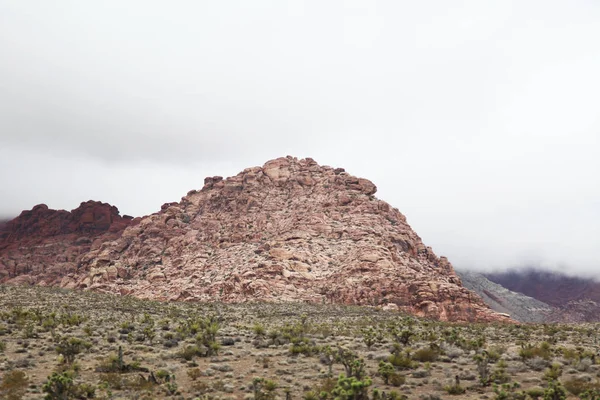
[(42, 245), (291, 230), (520, 307)]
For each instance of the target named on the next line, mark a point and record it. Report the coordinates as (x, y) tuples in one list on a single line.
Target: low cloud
[(479, 121)]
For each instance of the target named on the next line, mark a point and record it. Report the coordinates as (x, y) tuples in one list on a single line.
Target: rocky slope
[(520, 307), (288, 231), (42, 245)]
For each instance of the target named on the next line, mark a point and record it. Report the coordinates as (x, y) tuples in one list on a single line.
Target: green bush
[(385, 370), (555, 391), (351, 388)]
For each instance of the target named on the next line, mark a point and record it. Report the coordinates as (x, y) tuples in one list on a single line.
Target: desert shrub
[(499, 375), (200, 387), (452, 351), (369, 337), (426, 355), (483, 368), (553, 373), (530, 351), (473, 344), (13, 385), (584, 364), (126, 328), (116, 364), (264, 389), (537, 363), (578, 385), (303, 346), (455, 389), (60, 386), (397, 379), (2, 346), (69, 347), (401, 360), (555, 391), (570, 355), (494, 353), (535, 392), (353, 365), (259, 329), (68, 319), (119, 381), (351, 388), (402, 337), (322, 389), (509, 392), (29, 331), (385, 370), (194, 373), (189, 352)]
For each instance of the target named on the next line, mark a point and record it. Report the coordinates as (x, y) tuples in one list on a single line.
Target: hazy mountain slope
[(520, 307), (549, 287)]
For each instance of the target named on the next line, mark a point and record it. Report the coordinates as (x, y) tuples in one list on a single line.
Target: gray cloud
[(477, 120)]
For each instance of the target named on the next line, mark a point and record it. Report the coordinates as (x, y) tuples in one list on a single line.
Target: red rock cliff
[(42, 245)]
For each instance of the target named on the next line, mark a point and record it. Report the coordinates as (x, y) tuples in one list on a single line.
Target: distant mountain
[(291, 230), (520, 307), (549, 287), (575, 299)]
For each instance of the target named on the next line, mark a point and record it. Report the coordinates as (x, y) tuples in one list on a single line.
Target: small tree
[(70, 347), (555, 391), (386, 370)]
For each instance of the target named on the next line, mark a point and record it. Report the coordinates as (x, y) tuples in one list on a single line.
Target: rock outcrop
[(42, 245), (291, 230)]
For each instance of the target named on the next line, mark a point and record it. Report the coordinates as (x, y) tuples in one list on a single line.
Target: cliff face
[(288, 231), (42, 245)]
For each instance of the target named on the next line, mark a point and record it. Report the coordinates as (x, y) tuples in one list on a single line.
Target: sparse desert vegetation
[(59, 344)]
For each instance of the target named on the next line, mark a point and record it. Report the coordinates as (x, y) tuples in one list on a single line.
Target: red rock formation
[(288, 231), (42, 245)]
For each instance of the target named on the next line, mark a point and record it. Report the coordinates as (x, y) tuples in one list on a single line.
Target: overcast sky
[(479, 120)]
